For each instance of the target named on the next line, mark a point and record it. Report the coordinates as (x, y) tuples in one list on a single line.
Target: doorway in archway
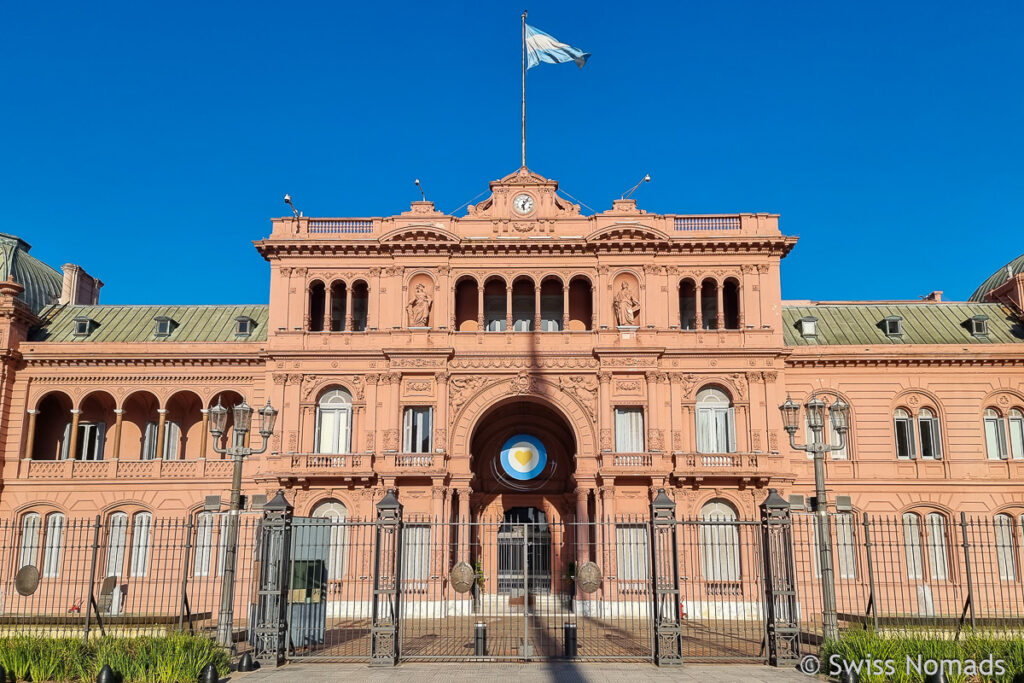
[(524, 553)]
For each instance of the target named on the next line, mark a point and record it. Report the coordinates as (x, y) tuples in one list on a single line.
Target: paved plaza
[(562, 672)]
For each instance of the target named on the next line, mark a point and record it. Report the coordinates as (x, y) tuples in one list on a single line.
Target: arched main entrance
[(524, 553)]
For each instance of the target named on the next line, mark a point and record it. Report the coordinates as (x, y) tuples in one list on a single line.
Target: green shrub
[(976, 646), (178, 658)]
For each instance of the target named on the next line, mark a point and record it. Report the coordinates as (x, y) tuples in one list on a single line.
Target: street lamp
[(238, 451), (818, 445)]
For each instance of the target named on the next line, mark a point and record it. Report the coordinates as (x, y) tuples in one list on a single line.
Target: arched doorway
[(524, 553)]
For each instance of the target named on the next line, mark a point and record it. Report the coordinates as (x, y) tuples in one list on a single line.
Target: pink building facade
[(641, 351)]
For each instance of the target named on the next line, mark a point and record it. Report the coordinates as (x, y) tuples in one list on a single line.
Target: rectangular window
[(995, 438), (937, 557), (931, 445), (912, 546), (204, 544), (417, 430), (91, 437), (632, 555), (54, 540), (846, 546), (720, 550), (334, 431), (716, 430), (140, 544), (1016, 437), (416, 554), (629, 430), (116, 543), (172, 436), (1003, 527), (30, 528), (904, 438)]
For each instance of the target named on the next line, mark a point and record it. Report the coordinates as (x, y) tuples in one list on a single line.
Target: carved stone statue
[(627, 308), (419, 308)]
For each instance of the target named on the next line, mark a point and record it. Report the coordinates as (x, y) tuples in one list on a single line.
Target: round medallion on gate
[(462, 577), (26, 580), (588, 577)]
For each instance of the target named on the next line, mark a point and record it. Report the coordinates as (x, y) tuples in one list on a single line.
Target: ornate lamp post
[(218, 422), (839, 414)]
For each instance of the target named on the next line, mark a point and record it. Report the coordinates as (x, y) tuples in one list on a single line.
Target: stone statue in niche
[(627, 308), (418, 309)]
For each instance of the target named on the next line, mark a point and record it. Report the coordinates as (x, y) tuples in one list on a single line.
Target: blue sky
[(151, 143)]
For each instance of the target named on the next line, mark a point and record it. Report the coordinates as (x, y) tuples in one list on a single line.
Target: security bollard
[(481, 640), (569, 631)]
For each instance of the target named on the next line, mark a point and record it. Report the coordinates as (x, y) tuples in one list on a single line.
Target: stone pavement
[(560, 672)]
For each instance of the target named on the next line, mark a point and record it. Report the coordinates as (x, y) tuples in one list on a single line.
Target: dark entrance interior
[(524, 552)]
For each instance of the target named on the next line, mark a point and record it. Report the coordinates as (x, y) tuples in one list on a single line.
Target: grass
[(865, 647), (178, 658)]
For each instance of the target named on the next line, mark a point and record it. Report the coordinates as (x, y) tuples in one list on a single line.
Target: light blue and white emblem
[(523, 457)]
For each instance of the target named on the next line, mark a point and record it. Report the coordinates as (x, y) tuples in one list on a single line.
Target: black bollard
[(209, 674), (569, 633), (848, 675), (937, 677), (480, 649), (246, 663), (106, 675)]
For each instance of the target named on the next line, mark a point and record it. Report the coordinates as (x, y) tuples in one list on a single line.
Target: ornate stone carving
[(626, 306), (418, 310), (368, 437), (773, 441), (755, 440), (390, 440), (677, 441), (280, 378), (391, 271), (441, 438), (655, 440), (420, 386), (606, 439), (584, 388), (461, 389), (770, 376)]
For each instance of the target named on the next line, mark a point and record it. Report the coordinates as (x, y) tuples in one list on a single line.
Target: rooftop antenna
[(645, 179), (288, 201), (420, 187)]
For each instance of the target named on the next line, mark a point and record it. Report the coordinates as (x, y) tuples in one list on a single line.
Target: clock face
[(523, 204)]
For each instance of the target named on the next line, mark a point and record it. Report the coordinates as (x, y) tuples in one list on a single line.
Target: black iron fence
[(402, 587)]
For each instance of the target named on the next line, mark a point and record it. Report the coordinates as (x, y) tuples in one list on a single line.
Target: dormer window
[(83, 326), (893, 326), (809, 327), (979, 325), (163, 326), (244, 325)]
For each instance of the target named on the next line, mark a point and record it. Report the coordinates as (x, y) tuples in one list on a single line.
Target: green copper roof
[(137, 323), (999, 277), (922, 323), (41, 282)]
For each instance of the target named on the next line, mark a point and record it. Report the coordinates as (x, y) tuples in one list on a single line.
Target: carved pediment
[(419, 234), (542, 203), (627, 232)]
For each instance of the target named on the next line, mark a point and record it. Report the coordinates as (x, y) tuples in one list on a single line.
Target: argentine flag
[(540, 47)]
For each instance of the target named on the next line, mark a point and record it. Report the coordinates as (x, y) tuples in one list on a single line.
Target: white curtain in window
[(30, 527), (140, 544), (417, 430), (117, 538), (716, 422), (334, 514), (90, 441), (334, 422), (172, 440), (204, 543), (1003, 527), (1017, 434), (629, 430), (912, 545), (631, 552), (846, 545), (719, 542), (415, 552), (54, 540), (937, 556), (995, 435)]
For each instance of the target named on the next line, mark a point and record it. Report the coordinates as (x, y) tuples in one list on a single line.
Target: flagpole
[(524, 89)]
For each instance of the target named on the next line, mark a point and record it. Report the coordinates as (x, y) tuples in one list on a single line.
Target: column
[(118, 419), (565, 306), (678, 316), (73, 447), (608, 503), (162, 412), (30, 441), (690, 420), (441, 411), (698, 316), (480, 306), (205, 436), (465, 520), (536, 306), (742, 429), (370, 383), (739, 306), (307, 309), (720, 318), (348, 307), (653, 423), (582, 526), (605, 421), (328, 307), (508, 307)]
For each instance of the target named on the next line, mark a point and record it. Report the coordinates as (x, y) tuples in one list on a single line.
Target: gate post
[(782, 626), (668, 632), (271, 617), (387, 563)]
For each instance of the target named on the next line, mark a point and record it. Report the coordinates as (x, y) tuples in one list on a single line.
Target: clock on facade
[(523, 204)]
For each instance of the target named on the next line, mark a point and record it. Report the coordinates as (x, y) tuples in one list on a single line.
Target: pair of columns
[(508, 307), (719, 317), (327, 323)]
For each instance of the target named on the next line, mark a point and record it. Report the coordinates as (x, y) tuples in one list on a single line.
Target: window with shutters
[(53, 545), (1016, 426), (925, 546), (1006, 547), (995, 435), (931, 436), (91, 438), (31, 526), (139, 560), (418, 430), (629, 429), (334, 422), (117, 543), (205, 522), (716, 422), (172, 438), (904, 424)]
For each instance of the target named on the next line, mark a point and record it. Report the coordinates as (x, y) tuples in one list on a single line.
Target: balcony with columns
[(753, 469), (301, 469)]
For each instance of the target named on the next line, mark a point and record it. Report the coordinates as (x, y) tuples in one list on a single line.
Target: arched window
[(719, 542), (688, 305), (731, 305), (931, 436), (360, 306), (995, 435), (334, 515), (117, 543), (317, 303), (926, 542), (1005, 547), (716, 422), (334, 422), (912, 545), (466, 305), (53, 544), (31, 525), (938, 557), (904, 435), (140, 543), (1016, 425), (709, 305)]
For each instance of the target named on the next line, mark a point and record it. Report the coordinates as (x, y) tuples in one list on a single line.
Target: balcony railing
[(329, 461), (126, 469), (719, 460), (340, 226), (706, 223), (630, 463)]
